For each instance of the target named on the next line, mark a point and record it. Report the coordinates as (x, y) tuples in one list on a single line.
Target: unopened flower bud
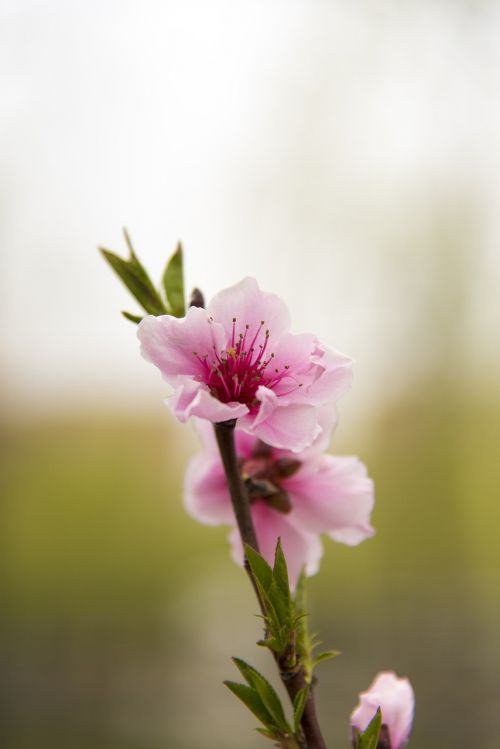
[(396, 700), (197, 299)]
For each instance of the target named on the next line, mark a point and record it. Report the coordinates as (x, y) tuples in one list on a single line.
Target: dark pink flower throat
[(235, 373)]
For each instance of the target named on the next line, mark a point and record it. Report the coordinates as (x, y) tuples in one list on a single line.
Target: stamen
[(224, 383), (216, 354)]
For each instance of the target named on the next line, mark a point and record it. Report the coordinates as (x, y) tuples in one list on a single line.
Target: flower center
[(262, 475), (235, 373)]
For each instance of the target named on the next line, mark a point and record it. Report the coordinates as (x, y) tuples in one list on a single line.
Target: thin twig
[(294, 681)]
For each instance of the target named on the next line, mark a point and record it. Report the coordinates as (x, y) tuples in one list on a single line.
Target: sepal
[(369, 738)]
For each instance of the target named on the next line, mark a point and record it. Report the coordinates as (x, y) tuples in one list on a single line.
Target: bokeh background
[(347, 154)]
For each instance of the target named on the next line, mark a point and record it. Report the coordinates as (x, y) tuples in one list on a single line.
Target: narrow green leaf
[(128, 242), (133, 318), (273, 622), (299, 704), (304, 645), (250, 698), (259, 567), (266, 692), (173, 283), (300, 598), (368, 739), (279, 591), (137, 282), (326, 656), (281, 605), (280, 572), (136, 263)]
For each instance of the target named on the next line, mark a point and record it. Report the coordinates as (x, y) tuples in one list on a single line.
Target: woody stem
[(293, 681)]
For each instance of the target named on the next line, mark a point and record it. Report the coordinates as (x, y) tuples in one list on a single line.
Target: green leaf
[(135, 263), (304, 644), (137, 282), (280, 572), (300, 598), (133, 318), (368, 739), (280, 605), (266, 693), (326, 656), (173, 283), (250, 697), (259, 567), (299, 704), (279, 592)]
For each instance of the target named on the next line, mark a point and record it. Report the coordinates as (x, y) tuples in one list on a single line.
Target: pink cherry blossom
[(238, 360), (396, 700), (294, 496)]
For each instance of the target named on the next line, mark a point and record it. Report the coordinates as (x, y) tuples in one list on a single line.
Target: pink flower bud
[(396, 700)]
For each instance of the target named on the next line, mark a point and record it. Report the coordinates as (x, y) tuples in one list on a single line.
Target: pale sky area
[(346, 154)]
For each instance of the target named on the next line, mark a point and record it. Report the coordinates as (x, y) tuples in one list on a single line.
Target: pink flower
[(238, 360), (293, 496), (396, 701)]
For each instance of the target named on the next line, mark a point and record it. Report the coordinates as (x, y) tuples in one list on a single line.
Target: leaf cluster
[(285, 615), (287, 637), (168, 300), (262, 700), (277, 603)]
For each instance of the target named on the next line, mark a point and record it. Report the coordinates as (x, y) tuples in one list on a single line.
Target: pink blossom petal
[(327, 422), (193, 399), (333, 495), (170, 342), (396, 700), (206, 496), (334, 376), (292, 353), (291, 427), (249, 305), (300, 548)]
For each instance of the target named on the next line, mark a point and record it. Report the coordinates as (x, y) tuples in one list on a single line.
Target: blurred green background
[(119, 613), (347, 155)]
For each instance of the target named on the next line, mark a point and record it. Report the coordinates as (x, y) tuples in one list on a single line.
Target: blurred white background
[(346, 154)]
